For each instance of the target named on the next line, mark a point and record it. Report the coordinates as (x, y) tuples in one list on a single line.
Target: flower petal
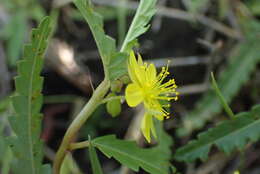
[(132, 65), (151, 73), (159, 117), (140, 60), (133, 95), (147, 123)]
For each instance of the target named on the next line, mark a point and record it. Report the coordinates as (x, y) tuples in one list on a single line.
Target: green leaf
[(117, 67), (106, 45), (7, 155), (114, 62), (4, 104), (95, 164), (242, 64), (144, 13), (256, 111), (227, 136), (27, 102), (6, 166), (127, 153)]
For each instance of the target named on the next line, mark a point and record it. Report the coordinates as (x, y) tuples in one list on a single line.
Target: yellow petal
[(159, 117), (141, 74), (132, 65), (151, 73), (133, 95), (132, 75), (140, 60), (147, 123), (134, 70)]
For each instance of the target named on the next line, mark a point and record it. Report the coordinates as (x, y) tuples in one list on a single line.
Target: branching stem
[(77, 123), (79, 145)]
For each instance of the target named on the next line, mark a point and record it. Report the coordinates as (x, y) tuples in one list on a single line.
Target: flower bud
[(113, 106)]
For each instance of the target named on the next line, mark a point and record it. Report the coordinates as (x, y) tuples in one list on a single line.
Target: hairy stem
[(77, 123)]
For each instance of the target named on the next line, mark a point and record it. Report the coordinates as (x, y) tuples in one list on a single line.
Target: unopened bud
[(116, 86), (113, 106)]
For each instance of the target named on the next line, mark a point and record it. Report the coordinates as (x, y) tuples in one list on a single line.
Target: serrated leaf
[(241, 65), (227, 136), (106, 45), (95, 164), (114, 62), (144, 13), (139, 25), (27, 102), (127, 153)]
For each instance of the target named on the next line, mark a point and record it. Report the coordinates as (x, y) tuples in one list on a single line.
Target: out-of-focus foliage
[(15, 34), (195, 6), (227, 136), (254, 6), (27, 102), (16, 30), (5, 110), (242, 63)]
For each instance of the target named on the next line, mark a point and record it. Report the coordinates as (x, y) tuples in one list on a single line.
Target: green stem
[(107, 99), (79, 145), (221, 98), (77, 123)]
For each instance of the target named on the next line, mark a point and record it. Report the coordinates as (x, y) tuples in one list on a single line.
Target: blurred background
[(198, 36)]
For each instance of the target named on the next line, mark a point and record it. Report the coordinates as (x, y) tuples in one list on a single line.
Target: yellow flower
[(148, 88)]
